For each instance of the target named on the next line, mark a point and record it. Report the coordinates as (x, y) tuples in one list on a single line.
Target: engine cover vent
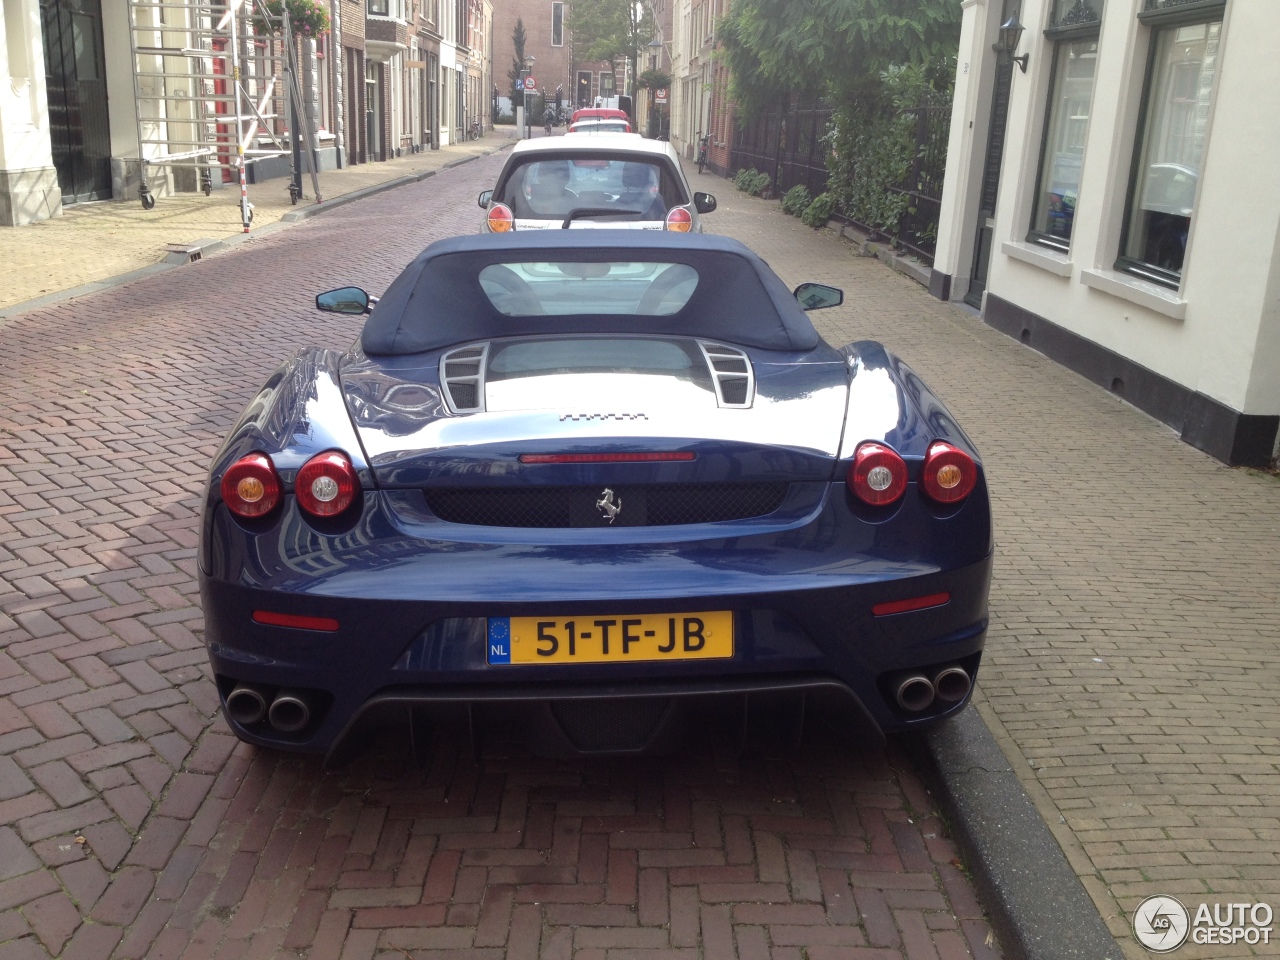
[(731, 373), (462, 374)]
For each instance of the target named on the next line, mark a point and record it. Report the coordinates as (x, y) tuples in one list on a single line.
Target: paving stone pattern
[(1132, 668), (133, 825)]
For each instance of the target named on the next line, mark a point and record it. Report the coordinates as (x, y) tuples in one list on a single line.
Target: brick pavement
[(133, 825), (92, 242), (1132, 674)]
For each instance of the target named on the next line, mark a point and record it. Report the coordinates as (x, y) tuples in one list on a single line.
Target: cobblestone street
[(1131, 675), (133, 825)]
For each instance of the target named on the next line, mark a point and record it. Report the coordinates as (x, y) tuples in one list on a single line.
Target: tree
[(612, 30), (833, 48), (517, 64)]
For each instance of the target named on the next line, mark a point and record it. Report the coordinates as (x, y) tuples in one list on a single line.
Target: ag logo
[(1160, 923)]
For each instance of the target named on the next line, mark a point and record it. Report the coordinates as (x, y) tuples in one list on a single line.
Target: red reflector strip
[(606, 457), (915, 603), (271, 619)]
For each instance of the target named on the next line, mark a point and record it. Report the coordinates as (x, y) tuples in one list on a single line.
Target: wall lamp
[(1010, 37)]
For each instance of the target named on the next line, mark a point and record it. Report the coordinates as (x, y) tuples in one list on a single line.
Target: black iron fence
[(789, 146), (792, 147), (918, 228)]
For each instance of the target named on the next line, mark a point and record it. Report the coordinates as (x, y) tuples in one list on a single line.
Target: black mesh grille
[(610, 724), (655, 505), (734, 389), (464, 395)]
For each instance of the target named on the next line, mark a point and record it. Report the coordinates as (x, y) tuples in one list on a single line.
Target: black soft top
[(438, 301)]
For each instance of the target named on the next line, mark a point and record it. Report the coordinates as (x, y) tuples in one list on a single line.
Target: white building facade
[(1116, 206)]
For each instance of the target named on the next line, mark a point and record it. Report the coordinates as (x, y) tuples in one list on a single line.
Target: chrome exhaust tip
[(914, 692), (246, 704), (289, 712), (952, 684)]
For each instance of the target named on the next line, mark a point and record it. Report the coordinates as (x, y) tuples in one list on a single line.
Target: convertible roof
[(438, 301)]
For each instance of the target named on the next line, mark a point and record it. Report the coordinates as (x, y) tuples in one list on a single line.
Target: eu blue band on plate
[(499, 640)]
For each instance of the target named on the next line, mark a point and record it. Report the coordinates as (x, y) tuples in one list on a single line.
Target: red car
[(598, 113)]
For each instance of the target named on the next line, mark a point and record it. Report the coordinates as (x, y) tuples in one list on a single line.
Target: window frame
[(1158, 20), (557, 7), (1060, 37)]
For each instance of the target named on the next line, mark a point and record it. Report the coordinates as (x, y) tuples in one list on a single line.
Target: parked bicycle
[(477, 131), (703, 143)]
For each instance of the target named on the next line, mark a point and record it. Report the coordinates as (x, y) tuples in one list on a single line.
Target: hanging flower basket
[(307, 18)]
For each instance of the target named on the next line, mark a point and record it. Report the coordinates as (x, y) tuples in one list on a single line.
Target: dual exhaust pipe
[(287, 712), (915, 692)]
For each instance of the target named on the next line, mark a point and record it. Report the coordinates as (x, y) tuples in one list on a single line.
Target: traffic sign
[(660, 95), (530, 83)]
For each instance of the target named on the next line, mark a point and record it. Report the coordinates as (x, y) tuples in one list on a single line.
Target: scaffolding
[(208, 78)]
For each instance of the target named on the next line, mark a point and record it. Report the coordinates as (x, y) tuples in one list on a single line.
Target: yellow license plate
[(596, 639)]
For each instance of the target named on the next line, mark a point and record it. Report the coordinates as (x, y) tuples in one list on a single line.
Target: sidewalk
[(94, 242), (1131, 676)]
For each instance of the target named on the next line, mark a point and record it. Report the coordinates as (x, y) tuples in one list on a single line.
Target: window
[(1170, 147), (571, 288), (557, 24), (1073, 26), (379, 8)]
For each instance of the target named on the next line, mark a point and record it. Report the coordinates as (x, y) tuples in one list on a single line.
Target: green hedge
[(817, 213), (796, 201)]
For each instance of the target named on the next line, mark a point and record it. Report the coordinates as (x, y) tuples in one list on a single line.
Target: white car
[(603, 180), (596, 125)]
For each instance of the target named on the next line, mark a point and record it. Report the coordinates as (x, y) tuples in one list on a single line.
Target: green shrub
[(819, 211), (759, 184), (796, 200), (744, 177)]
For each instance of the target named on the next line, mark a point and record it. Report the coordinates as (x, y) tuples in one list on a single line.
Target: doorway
[(985, 234), (77, 92)]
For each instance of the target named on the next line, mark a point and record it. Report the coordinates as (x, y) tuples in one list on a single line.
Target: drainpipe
[(335, 67)]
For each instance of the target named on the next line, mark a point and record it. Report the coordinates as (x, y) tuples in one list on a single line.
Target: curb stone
[(315, 209), (1038, 906)]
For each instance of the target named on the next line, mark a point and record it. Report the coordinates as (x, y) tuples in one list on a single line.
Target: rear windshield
[(601, 126), (573, 287), (631, 188)]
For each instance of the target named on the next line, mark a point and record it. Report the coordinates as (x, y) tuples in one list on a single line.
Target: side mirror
[(816, 296), (483, 200), (704, 202), (351, 300)]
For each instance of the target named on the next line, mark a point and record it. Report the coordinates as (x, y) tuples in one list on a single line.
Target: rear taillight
[(680, 220), (326, 485), (949, 473), (250, 487), (500, 219), (878, 475)]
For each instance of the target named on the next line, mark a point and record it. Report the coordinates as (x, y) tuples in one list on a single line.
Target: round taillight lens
[(500, 219), (878, 475), (326, 484), (250, 487), (949, 473), (680, 220)]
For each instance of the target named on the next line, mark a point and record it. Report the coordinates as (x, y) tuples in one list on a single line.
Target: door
[(990, 186), (77, 94)]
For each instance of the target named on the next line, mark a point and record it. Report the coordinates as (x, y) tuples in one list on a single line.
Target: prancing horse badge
[(609, 507)]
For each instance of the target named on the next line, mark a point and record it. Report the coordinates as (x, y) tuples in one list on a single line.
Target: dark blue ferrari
[(588, 482)]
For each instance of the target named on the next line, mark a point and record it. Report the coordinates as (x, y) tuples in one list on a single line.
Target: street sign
[(530, 83), (660, 95)]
